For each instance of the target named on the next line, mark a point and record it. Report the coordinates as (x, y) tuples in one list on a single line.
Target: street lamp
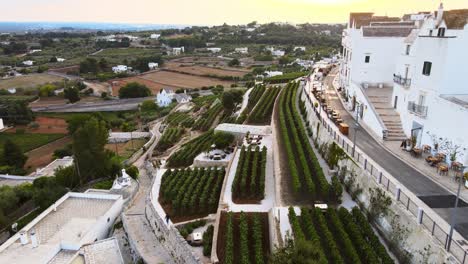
[(463, 169)]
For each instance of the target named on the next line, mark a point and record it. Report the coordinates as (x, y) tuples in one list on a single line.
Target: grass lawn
[(28, 141), (29, 81), (103, 185)]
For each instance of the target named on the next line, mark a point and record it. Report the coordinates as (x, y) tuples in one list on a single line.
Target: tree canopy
[(134, 90)]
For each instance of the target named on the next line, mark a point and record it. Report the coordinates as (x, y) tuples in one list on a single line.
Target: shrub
[(133, 171), (134, 90)]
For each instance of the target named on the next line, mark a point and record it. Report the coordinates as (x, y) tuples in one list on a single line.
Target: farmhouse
[(183, 98), (276, 53), (301, 48), (60, 59), (243, 50), (273, 73), (155, 36), (69, 230), (28, 63), (120, 69), (164, 97), (153, 65), (177, 51), (214, 50)]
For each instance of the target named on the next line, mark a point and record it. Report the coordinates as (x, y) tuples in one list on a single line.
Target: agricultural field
[(179, 80), (184, 156), (206, 71), (180, 118), (40, 157), (191, 193), (261, 114), (28, 141), (170, 136), (338, 235), (207, 119), (306, 176), (249, 182), (158, 80), (44, 125), (125, 150), (287, 77), (243, 238), (118, 55), (29, 81)]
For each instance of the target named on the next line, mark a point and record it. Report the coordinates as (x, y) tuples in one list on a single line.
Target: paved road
[(434, 195), (138, 228), (110, 105)]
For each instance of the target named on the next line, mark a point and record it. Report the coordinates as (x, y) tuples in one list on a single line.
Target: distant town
[(257, 143)]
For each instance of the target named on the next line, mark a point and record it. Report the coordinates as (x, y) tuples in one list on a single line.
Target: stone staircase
[(382, 102)]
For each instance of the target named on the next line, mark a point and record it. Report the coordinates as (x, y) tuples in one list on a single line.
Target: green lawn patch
[(28, 141)]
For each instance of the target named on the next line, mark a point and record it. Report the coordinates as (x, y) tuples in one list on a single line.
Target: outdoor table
[(456, 165), (427, 148), (416, 152)]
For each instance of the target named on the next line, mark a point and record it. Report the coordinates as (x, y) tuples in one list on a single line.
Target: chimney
[(34, 241), (23, 238), (440, 14)]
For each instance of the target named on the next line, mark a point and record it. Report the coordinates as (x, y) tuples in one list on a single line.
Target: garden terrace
[(170, 136), (205, 121), (338, 236), (180, 118), (191, 193), (249, 182), (261, 114), (255, 96), (184, 156), (307, 178), (287, 77), (243, 238)]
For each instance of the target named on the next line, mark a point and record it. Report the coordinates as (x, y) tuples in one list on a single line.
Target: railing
[(420, 110), (387, 182), (406, 82)]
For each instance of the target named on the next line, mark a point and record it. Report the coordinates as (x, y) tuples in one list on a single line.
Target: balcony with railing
[(420, 110), (405, 82)]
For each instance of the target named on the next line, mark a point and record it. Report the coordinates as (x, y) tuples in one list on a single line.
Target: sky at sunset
[(209, 12)]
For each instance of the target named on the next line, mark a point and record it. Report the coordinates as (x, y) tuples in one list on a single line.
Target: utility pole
[(356, 127), (455, 209)]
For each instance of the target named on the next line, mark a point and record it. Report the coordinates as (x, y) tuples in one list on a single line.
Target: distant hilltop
[(79, 26)]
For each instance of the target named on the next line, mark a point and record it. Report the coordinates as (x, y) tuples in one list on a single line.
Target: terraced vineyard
[(180, 119), (191, 192), (254, 97), (261, 114), (249, 182), (205, 121), (243, 238), (184, 156), (306, 174), (338, 236), (170, 136)]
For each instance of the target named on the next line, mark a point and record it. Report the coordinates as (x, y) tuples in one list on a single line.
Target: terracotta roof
[(390, 24), (365, 19), (456, 19), (386, 31)]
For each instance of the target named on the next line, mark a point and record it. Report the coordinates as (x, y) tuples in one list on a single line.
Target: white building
[(275, 52), (50, 169), (120, 68), (65, 230), (164, 97), (269, 74), (303, 63), (34, 51), (214, 50), (155, 36), (370, 50), (28, 63), (409, 78), (183, 98), (2, 126), (177, 51), (153, 65), (430, 91), (243, 50), (301, 48), (60, 59)]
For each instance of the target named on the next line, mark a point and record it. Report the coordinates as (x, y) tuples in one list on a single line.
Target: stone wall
[(169, 236), (417, 238)]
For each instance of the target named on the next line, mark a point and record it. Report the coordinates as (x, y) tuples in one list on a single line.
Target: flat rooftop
[(69, 223), (243, 129)]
